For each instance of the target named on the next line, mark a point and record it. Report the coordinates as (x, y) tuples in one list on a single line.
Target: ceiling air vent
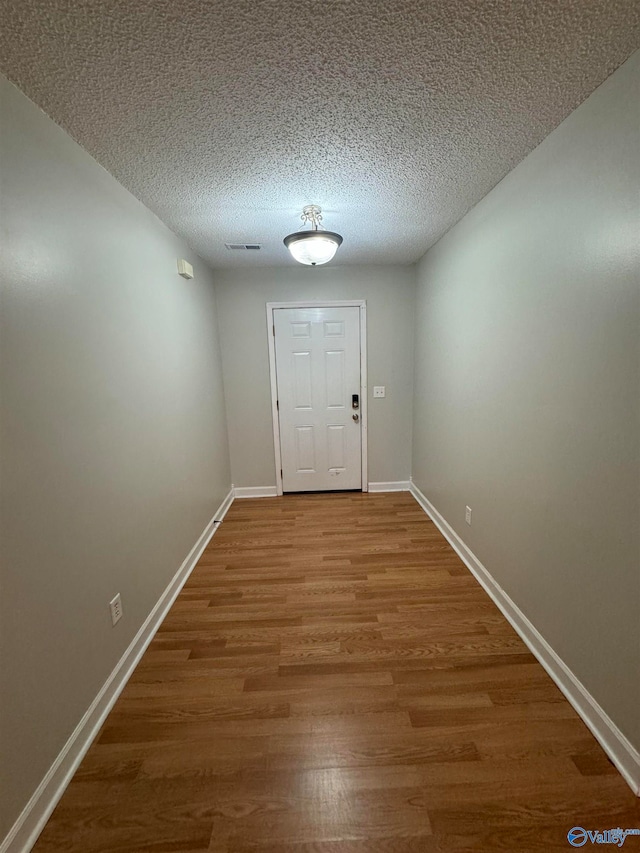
[(243, 246)]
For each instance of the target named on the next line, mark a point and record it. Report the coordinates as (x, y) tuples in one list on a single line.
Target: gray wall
[(528, 385), (114, 449), (242, 296)]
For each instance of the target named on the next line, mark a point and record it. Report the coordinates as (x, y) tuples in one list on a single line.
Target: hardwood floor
[(332, 679)]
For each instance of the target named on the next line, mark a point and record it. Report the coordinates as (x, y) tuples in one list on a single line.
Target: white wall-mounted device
[(184, 268), (115, 606)]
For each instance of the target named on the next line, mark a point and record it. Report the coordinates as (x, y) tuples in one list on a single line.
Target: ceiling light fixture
[(315, 246)]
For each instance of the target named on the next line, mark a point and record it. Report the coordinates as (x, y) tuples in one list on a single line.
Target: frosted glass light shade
[(313, 247)]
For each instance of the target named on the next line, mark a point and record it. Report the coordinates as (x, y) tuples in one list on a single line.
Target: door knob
[(356, 417)]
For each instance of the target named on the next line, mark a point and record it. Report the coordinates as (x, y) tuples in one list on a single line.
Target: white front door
[(318, 380)]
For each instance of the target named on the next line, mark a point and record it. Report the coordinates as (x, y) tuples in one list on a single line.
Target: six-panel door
[(318, 372)]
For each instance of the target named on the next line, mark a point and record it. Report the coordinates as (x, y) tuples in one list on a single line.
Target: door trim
[(348, 303)]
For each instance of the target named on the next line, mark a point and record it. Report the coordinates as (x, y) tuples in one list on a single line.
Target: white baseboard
[(253, 492), (24, 833), (623, 754), (271, 492), (392, 486)]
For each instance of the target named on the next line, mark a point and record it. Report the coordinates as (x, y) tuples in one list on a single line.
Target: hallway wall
[(113, 444), (527, 389), (242, 296)]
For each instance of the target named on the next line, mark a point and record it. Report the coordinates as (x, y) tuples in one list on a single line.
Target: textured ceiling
[(225, 118)]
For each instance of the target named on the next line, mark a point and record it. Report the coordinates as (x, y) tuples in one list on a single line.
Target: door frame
[(347, 303)]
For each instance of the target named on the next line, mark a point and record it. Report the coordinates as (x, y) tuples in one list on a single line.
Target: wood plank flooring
[(332, 679)]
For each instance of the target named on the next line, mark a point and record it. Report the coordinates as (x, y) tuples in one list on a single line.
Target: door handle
[(356, 417)]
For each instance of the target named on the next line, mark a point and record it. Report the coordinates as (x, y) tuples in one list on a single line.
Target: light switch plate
[(378, 391)]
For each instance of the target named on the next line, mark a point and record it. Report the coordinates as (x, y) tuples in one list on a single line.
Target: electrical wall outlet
[(467, 514), (115, 606), (378, 390)]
